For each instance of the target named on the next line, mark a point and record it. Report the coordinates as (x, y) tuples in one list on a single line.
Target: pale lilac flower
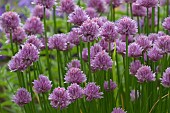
[(9, 21), (46, 3), (38, 11), (118, 110), (92, 91), (143, 41), (166, 23), (134, 50), (22, 97), (165, 80), (144, 73), (161, 33), (127, 26), (78, 16), (94, 50), (59, 98), (163, 43), (74, 63), (99, 5), (130, 38), (74, 36), (91, 12), (102, 61), (18, 35), (58, 41), (108, 31), (130, 1), (33, 25), (85, 54), (35, 41), (110, 87), (138, 10), (24, 58), (105, 45), (148, 3), (75, 75), (120, 47), (134, 66), (100, 21), (75, 92), (153, 37), (67, 6), (89, 30), (134, 95), (42, 85), (155, 54)]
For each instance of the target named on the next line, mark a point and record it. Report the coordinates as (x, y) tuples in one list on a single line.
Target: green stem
[(54, 19), (158, 19), (153, 19), (46, 46), (147, 22), (58, 62), (138, 24), (11, 42), (167, 8), (131, 10), (89, 61)]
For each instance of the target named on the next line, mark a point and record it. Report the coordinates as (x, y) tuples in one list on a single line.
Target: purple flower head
[(38, 11), (67, 6), (94, 50), (74, 63), (91, 12), (18, 35), (166, 23), (35, 41), (58, 41), (78, 16), (115, 3), (134, 95), (42, 85), (112, 86), (102, 61), (33, 25), (165, 80), (144, 73), (24, 58), (75, 75), (9, 21), (45, 3), (138, 10), (121, 47), (130, 38), (89, 30), (92, 91), (148, 3), (143, 41), (22, 97), (130, 1), (99, 5), (108, 31), (134, 66), (153, 37), (155, 54), (100, 21), (134, 50), (127, 26), (75, 92), (74, 36), (59, 98), (161, 33), (85, 54), (163, 43), (105, 45), (118, 110)]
